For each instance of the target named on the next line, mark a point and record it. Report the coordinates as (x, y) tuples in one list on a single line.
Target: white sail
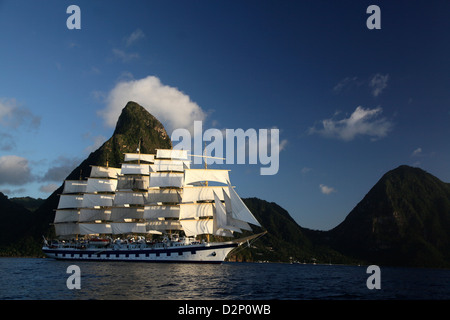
[(161, 211), (128, 227), (239, 210), (89, 214), (170, 165), (94, 228), (202, 193), (101, 185), (223, 232), (130, 197), (91, 200), (171, 154), (222, 218), (132, 182), (67, 229), (199, 175), (67, 201), (122, 213), (193, 227), (74, 186), (132, 168), (160, 194), (166, 179), (104, 172), (67, 216), (156, 195), (232, 221), (163, 225), (139, 157), (196, 210), (219, 222)]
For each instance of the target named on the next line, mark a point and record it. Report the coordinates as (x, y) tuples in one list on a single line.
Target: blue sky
[(350, 103)]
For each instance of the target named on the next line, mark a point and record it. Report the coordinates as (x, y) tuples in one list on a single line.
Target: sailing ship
[(154, 208)]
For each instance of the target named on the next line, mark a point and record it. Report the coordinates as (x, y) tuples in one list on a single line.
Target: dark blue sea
[(46, 279)]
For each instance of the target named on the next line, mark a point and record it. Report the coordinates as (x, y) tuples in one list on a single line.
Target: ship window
[(168, 254), (180, 253), (193, 252), (137, 255)]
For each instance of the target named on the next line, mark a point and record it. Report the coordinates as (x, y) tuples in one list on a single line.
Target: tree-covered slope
[(403, 220)]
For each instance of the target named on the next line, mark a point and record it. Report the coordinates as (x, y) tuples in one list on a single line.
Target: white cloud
[(6, 142), (14, 170), (60, 169), (417, 152), (124, 56), (347, 83), (168, 104), (378, 83), (326, 190), (11, 192), (361, 122), (134, 37), (49, 188), (283, 144), (306, 170), (95, 70), (13, 115)]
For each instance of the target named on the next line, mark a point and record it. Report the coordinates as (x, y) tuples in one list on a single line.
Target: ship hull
[(203, 253)]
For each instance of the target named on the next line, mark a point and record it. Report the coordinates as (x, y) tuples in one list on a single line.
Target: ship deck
[(205, 252)]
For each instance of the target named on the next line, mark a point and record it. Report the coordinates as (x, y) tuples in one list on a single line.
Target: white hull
[(198, 253)]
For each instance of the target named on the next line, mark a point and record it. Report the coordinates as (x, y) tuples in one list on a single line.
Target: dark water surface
[(45, 279)]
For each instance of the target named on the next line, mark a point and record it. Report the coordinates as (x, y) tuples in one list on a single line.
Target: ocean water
[(46, 279)]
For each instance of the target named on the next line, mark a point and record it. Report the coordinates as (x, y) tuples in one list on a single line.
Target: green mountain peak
[(134, 124), (404, 219)]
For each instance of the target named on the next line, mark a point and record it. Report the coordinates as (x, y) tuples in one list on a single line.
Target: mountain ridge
[(403, 220)]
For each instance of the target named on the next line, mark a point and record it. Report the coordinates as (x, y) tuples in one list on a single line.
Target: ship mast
[(139, 151), (206, 165)]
